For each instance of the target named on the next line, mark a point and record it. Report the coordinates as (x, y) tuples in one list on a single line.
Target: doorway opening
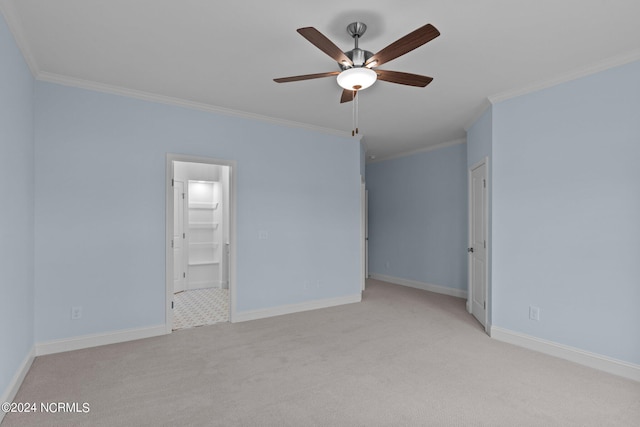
[(200, 247)]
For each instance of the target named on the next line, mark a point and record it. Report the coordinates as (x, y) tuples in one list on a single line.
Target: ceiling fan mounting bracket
[(356, 29)]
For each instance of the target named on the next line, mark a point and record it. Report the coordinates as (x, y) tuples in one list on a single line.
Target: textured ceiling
[(225, 55)]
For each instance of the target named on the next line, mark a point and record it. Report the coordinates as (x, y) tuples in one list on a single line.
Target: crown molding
[(151, 97), (420, 150), (15, 27), (566, 77)]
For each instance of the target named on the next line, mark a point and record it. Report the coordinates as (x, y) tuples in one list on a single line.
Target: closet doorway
[(200, 251)]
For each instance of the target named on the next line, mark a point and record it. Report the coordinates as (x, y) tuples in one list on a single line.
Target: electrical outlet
[(76, 313), (534, 313)]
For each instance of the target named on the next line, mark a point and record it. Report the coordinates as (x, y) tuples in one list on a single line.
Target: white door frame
[(485, 162), (232, 164), (183, 262), (363, 232)]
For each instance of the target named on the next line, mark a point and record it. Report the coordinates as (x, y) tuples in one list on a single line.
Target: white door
[(478, 242), (366, 234), (179, 270)]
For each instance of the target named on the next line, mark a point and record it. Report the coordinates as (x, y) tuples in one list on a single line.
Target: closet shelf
[(203, 216), (212, 225), (204, 245), (196, 263), (203, 205)]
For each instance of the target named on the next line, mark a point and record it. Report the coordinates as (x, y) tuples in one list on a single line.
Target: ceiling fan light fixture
[(358, 76)]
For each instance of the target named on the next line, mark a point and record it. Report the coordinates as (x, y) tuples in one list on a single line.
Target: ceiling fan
[(359, 67)]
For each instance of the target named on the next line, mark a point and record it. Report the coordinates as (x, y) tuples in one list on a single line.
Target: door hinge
[(172, 243), (171, 304), (172, 182), (183, 195), (184, 275), (485, 244), (485, 305), (484, 183), (184, 236)]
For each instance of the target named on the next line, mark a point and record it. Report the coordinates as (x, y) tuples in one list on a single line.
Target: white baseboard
[(592, 360), (244, 316), (94, 340), (459, 293), (12, 389)]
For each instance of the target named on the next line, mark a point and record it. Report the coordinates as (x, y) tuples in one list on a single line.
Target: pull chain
[(354, 132), (355, 103), (353, 114)]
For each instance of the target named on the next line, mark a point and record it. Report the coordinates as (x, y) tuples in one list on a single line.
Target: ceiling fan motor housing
[(357, 56)]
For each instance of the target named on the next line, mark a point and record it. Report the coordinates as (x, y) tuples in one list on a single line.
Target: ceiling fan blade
[(403, 78), (404, 45), (324, 44), (306, 77), (348, 96)]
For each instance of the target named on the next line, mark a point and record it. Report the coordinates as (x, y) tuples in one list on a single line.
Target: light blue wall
[(480, 138), (100, 208), (479, 147), (418, 217), (566, 213), (363, 159), (16, 214)]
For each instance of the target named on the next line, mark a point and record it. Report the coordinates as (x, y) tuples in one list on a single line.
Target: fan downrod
[(356, 55)]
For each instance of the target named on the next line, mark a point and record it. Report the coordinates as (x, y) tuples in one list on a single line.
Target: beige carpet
[(200, 307), (402, 357)]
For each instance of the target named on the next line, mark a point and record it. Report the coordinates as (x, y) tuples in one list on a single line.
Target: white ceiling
[(226, 53)]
